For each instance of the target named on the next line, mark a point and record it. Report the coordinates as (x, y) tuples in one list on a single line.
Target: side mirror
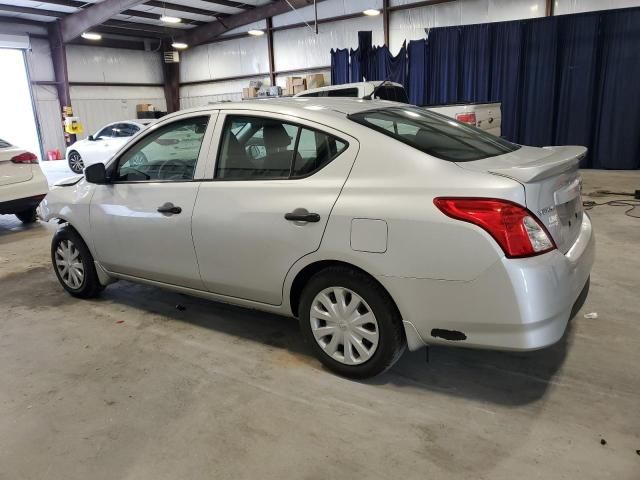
[(96, 173), (90, 138)]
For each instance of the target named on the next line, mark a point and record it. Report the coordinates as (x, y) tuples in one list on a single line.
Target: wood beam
[(211, 30), (171, 72), (385, 21), (73, 25), (59, 60), (272, 63), (549, 8)]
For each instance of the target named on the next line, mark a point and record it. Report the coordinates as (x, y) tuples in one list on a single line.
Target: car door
[(141, 220), (268, 167)]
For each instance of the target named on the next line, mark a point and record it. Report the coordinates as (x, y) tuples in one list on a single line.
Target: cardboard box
[(292, 82), (298, 89), (315, 80), (249, 92), (144, 107)]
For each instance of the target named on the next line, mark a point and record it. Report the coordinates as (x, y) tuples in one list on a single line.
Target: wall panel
[(97, 106), (113, 65)]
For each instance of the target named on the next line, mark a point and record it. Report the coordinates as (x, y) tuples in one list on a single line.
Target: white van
[(485, 116)]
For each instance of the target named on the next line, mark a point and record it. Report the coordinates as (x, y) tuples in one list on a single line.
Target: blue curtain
[(505, 69), (339, 66), (538, 94), (443, 55), (355, 72), (475, 52), (617, 135), (388, 67), (365, 47), (417, 72), (577, 73)]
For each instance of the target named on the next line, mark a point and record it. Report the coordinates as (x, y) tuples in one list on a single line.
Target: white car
[(101, 146), (379, 225), (22, 183), (485, 116)]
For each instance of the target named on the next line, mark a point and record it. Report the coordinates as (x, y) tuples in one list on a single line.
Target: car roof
[(312, 108)]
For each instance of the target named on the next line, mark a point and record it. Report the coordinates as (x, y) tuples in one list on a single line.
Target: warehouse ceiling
[(134, 19)]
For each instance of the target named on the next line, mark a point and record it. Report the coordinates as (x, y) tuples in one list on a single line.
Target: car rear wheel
[(28, 215), (75, 162), (73, 264), (351, 323)]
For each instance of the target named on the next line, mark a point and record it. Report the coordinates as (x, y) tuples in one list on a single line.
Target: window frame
[(228, 117), (201, 161)]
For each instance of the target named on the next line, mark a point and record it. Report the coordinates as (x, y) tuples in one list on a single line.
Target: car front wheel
[(73, 264), (351, 323), (76, 163)]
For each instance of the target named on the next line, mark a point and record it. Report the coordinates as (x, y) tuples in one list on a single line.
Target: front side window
[(434, 134), (168, 154), (106, 132), (257, 148)]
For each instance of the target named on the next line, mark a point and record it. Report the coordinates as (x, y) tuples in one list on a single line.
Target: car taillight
[(518, 232), (26, 157), (469, 118)]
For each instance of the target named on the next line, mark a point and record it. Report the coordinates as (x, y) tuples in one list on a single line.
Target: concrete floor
[(129, 387)]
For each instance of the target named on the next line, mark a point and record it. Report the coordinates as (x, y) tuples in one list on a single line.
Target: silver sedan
[(379, 225)]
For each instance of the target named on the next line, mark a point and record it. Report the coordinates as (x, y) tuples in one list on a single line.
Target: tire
[(380, 344), (65, 243), (27, 216), (76, 164)]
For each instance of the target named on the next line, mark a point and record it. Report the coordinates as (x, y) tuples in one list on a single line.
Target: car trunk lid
[(552, 184), (13, 172)]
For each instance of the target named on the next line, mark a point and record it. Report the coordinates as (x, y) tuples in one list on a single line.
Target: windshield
[(434, 134)]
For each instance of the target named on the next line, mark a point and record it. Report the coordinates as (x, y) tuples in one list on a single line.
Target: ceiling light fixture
[(179, 45), (371, 12), (169, 19), (255, 33), (91, 36)]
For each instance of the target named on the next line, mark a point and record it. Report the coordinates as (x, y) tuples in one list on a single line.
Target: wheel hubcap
[(69, 264), (344, 325), (76, 162)]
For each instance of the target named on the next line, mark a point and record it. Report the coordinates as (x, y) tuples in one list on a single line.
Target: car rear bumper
[(517, 304), (20, 204)]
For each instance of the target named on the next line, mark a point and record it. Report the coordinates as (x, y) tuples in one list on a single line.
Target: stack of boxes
[(294, 85)]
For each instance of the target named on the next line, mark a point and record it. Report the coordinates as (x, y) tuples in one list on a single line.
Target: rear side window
[(4, 144), (434, 134), (258, 148)]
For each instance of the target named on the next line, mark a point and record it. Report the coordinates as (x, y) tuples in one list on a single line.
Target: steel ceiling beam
[(228, 3), (211, 30), (73, 25)]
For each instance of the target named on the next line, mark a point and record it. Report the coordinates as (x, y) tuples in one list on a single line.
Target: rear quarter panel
[(393, 182)]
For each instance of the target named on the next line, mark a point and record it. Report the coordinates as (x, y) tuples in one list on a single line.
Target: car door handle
[(169, 208), (301, 215)]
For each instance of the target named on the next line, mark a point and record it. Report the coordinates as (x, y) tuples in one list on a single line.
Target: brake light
[(469, 118), (518, 232), (26, 157)]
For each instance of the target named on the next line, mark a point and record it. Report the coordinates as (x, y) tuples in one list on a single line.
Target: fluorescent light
[(371, 12), (255, 33), (168, 19), (179, 45), (91, 36)]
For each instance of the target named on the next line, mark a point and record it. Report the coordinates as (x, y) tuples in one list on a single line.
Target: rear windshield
[(434, 134)]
